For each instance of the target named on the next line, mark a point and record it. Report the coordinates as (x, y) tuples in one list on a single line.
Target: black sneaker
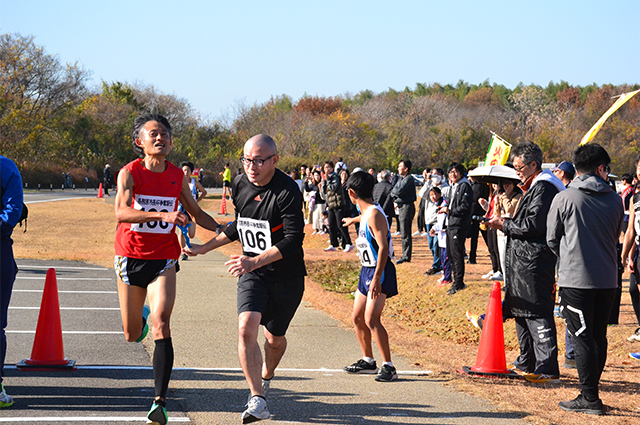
[(431, 271), (569, 363), (362, 366), (456, 288), (387, 374), (581, 404)]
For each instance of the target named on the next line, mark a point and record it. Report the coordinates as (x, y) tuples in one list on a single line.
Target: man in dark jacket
[(404, 195), (331, 191), (458, 222), (530, 267), (381, 195), (480, 190), (583, 228)]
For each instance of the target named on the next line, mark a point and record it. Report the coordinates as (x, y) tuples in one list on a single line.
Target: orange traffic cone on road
[(223, 205), (48, 351), (100, 195), (491, 360)]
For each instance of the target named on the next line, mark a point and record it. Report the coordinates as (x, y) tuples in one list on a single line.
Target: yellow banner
[(498, 152), (596, 127)]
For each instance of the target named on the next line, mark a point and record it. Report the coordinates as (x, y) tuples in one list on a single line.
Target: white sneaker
[(488, 275), (416, 233), (425, 234), (256, 410), (497, 276), (331, 248), (314, 232), (348, 248), (635, 337), (395, 234)]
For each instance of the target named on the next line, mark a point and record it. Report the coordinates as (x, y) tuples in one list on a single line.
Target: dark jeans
[(455, 249), (335, 226), (422, 227), (435, 249), (473, 235), (494, 254), (405, 218), (586, 313), (538, 345), (8, 271)]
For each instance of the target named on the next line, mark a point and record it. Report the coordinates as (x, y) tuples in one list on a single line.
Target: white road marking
[(72, 332), (230, 369), (68, 308), (67, 292), (28, 266), (90, 419), (65, 278)]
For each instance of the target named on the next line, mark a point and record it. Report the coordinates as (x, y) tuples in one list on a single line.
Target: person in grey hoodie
[(583, 227)]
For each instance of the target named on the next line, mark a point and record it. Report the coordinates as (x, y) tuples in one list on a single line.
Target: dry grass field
[(425, 325)]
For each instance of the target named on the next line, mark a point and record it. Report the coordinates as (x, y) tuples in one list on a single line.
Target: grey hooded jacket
[(583, 229)]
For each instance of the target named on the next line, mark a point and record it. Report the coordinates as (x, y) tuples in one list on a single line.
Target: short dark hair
[(529, 152), (330, 163), (362, 184), (457, 166), (627, 178), (188, 164), (587, 158), (139, 122), (406, 162), (436, 190)]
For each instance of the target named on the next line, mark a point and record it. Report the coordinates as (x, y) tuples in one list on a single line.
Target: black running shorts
[(277, 301), (136, 272)]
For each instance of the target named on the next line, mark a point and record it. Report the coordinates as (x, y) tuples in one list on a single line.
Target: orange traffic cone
[(100, 195), (491, 360), (48, 352), (223, 205)]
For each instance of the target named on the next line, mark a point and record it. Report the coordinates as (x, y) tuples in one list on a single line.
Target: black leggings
[(634, 291)]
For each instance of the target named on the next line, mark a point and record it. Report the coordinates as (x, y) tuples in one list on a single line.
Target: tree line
[(52, 121)]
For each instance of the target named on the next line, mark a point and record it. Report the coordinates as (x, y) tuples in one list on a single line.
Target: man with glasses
[(271, 271), (530, 267)]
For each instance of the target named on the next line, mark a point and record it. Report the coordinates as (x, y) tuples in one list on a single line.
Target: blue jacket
[(12, 196)]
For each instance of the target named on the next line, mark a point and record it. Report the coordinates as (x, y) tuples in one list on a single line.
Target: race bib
[(255, 235), (154, 204), (367, 259)]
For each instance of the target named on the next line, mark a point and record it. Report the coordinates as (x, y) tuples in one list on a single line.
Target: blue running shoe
[(635, 356), (145, 314), (157, 414)]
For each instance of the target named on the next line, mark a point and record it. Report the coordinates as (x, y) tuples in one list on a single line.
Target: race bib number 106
[(255, 235), (153, 203)]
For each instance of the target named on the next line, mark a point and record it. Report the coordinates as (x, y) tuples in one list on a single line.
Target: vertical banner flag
[(596, 127), (498, 152)]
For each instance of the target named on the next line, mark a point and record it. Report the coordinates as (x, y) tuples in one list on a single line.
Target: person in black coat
[(381, 195), (480, 190)]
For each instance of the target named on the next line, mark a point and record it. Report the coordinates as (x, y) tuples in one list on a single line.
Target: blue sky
[(217, 55)]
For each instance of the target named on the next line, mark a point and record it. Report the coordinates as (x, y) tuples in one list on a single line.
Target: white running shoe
[(395, 233), (331, 248), (635, 337), (349, 248), (416, 233), (425, 234), (497, 276), (256, 410), (488, 275)]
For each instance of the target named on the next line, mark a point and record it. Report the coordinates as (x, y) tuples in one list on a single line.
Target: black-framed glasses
[(255, 162), (519, 169)]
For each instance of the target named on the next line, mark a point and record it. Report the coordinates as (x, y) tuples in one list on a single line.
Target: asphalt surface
[(114, 380)]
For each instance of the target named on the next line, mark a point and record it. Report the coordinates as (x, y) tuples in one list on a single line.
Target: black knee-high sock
[(162, 365)]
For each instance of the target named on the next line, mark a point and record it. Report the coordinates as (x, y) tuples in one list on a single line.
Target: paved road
[(113, 383)]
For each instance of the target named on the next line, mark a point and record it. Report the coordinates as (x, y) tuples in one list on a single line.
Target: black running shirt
[(267, 216)]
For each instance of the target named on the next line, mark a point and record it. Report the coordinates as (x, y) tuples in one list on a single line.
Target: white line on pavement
[(68, 292), (72, 332), (67, 308), (230, 369), (90, 419), (65, 278), (29, 266)]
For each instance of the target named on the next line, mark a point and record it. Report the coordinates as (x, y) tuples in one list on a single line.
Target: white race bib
[(365, 252), (255, 235), (153, 203)]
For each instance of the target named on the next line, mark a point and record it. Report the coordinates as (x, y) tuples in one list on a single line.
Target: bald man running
[(270, 226)]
